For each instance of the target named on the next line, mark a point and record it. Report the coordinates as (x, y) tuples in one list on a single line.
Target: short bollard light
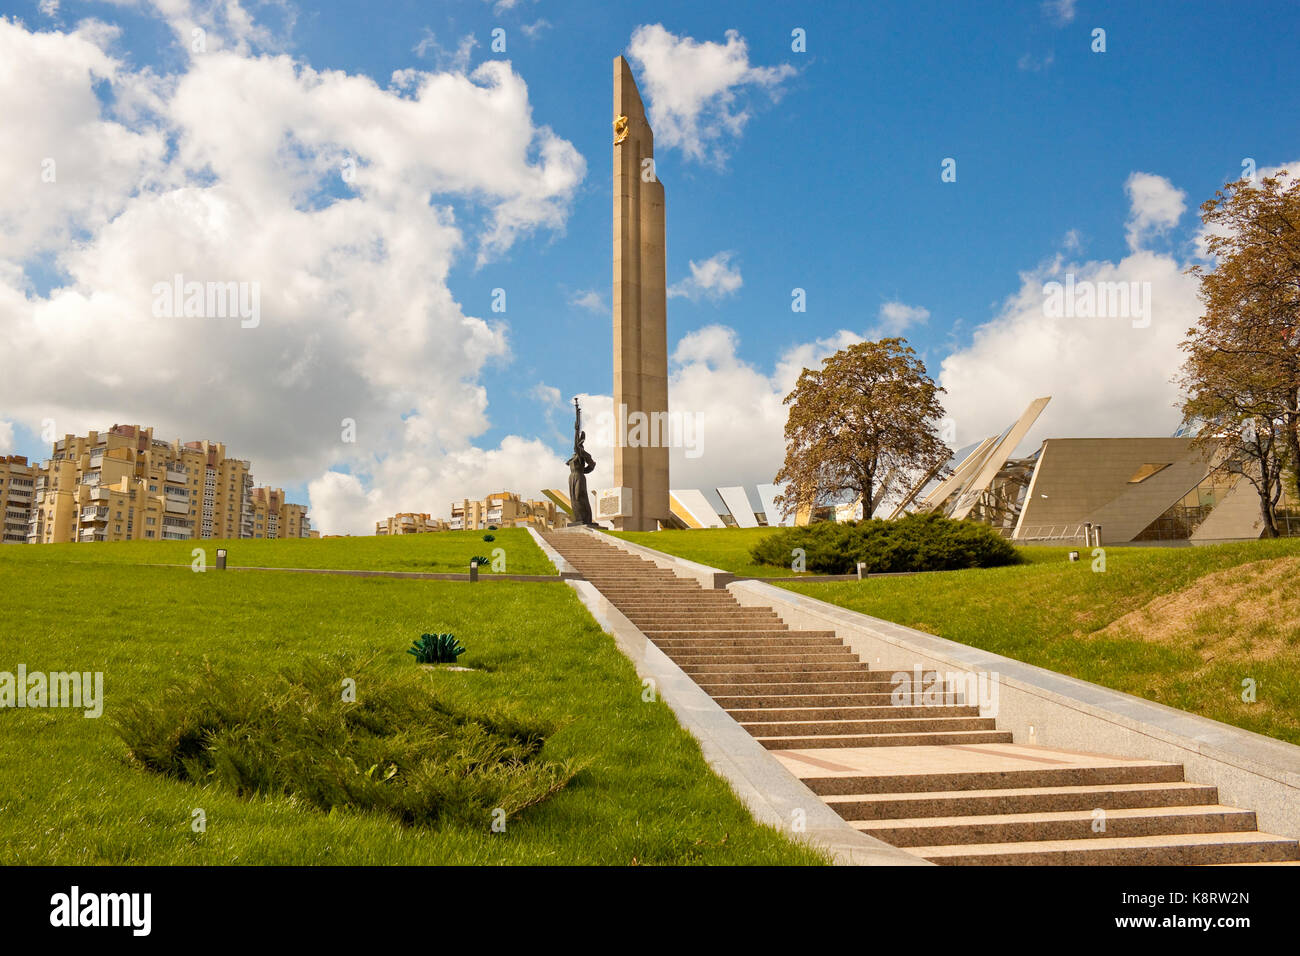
[(861, 570), (1074, 555), (473, 570), (221, 559)]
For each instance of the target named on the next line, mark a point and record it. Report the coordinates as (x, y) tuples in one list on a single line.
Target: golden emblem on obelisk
[(620, 129)]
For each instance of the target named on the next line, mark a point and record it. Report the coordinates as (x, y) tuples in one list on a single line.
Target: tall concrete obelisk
[(640, 313)]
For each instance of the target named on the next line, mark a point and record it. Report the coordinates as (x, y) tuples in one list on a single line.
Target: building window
[(1146, 471)]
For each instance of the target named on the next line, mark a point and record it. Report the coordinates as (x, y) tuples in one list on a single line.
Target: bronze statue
[(580, 466)]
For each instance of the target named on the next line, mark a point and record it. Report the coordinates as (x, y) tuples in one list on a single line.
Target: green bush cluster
[(436, 649), (394, 749), (917, 542)]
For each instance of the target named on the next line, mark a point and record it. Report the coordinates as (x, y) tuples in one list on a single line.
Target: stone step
[(802, 697), (1058, 825), (807, 666), (916, 739), (945, 782), (634, 581), (732, 689), (953, 803), (713, 630), (893, 725), (795, 640), (687, 620), (705, 601), (1179, 849), (710, 635), (731, 684), (747, 715), (762, 660)]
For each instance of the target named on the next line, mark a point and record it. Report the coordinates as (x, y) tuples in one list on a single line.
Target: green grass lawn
[(70, 795), (440, 552), (1143, 626), (726, 548)]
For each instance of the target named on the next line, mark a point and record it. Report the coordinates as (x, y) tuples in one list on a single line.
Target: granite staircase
[(956, 790)]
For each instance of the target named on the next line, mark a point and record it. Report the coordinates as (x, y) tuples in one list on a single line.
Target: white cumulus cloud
[(714, 278), (345, 204), (696, 91), (1155, 207)]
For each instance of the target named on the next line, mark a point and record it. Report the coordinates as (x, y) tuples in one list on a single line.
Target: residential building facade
[(504, 509), (17, 483), (125, 485), (409, 522)]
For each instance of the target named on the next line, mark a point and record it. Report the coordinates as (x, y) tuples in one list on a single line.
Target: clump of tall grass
[(392, 748)]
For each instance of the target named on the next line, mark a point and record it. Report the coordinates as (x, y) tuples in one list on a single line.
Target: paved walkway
[(939, 781)]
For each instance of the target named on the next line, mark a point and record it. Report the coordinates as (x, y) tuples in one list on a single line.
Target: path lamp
[(221, 559)]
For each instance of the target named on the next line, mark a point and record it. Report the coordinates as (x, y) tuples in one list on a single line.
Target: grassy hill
[(70, 793), (443, 552), (1181, 626)]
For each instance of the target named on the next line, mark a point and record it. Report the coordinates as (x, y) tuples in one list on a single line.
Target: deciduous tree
[(1242, 373), (871, 411)]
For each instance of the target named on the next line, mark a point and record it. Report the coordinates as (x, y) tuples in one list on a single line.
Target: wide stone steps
[(764, 662), (1059, 825), (951, 803), (751, 688), (1179, 849), (917, 739), (804, 695), (755, 715), (809, 665), (1135, 772), (706, 635), (747, 645), (809, 728), (801, 698)]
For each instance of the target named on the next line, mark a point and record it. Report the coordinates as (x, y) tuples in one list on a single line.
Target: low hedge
[(917, 542)]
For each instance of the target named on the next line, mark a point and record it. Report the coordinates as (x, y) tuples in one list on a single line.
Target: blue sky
[(832, 184)]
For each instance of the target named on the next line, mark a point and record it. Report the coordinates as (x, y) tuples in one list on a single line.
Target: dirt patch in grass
[(1250, 612)]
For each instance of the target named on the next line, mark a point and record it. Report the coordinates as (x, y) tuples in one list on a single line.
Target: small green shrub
[(436, 649), (492, 527), (916, 542), (489, 537), (395, 749)]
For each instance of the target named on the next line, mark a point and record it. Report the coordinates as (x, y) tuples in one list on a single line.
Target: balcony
[(177, 476), (174, 507), (94, 514)]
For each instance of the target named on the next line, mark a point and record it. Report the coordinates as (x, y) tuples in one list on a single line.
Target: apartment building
[(409, 522), (126, 485), (275, 517), (17, 481), (504, 509)]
